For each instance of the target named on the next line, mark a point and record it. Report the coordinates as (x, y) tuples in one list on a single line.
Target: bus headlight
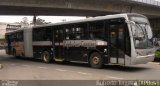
[(105, 50)]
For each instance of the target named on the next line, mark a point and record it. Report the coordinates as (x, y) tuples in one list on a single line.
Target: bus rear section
[(15, 44), (19, 43)]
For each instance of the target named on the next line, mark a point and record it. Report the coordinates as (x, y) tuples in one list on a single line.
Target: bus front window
[(142, 35)]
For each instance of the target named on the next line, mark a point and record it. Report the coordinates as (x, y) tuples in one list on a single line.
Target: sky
[(53, 19)]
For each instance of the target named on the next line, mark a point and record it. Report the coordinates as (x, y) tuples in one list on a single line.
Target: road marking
[(61, 70), (114, 77), (42, 67), (13, 64), (84, 73), (25, 65), (157, 70)]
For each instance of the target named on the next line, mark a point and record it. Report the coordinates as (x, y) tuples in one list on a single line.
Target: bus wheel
[(46, 57), (96, 60)]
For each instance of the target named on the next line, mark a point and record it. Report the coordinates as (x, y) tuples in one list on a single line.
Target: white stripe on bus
[(42, 43)]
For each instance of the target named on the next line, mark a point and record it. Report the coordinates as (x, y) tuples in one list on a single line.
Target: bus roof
[(14, 31), (124, 15)]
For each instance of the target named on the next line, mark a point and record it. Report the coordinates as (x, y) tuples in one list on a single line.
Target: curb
[(154, 63)]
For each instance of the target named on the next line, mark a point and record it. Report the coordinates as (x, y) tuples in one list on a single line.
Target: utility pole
[(34, 20)]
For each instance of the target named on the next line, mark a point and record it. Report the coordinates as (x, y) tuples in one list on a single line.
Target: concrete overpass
[(77, 7), (150, 8)]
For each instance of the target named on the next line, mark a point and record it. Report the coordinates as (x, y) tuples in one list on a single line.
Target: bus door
[(117, 42), (58, 45), (8, 47)]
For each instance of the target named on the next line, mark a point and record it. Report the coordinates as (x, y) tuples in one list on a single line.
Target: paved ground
[(29, 69)]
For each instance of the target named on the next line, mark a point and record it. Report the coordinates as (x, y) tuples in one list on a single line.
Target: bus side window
[(97, 30), (81, 31), (60, 34), (56, 35), (72, 33), (67, 34), (91, 36), (19, 36), (47, 34)]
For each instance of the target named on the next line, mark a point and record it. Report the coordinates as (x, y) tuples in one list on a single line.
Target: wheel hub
[(95, 60)]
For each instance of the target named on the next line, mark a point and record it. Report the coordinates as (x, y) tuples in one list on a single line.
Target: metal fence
[(151, 2)]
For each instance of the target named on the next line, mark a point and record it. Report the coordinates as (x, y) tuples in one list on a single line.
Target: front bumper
[(143, 59)]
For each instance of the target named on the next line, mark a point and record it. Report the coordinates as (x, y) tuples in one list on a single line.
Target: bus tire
[(46, 57), (96, 60)]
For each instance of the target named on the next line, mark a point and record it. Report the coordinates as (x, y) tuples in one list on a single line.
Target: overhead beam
[(74, 7)]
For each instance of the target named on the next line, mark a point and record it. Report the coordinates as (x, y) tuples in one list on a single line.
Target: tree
[(24, 22), (40, 21)]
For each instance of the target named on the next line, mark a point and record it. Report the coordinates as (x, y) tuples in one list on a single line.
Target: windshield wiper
[(138, 25), (146, 33)]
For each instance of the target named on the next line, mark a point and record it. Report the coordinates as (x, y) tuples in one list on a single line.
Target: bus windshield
[(142, 34)]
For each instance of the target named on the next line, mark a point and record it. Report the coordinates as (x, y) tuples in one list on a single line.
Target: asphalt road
[(30, 69)]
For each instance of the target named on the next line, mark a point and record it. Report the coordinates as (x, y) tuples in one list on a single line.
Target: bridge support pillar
[(155, 24)]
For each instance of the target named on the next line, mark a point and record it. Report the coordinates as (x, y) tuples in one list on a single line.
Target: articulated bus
[(120, 39)]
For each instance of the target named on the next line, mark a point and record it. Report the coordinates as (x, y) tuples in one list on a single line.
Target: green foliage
[(40, 21), (2, 36), (157, 54)]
